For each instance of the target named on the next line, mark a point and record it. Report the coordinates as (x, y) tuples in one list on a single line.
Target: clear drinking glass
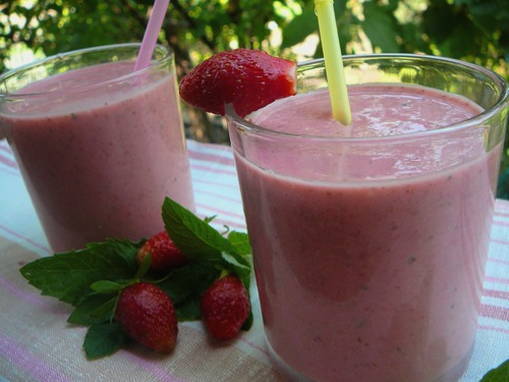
[(99, 145), (370, 275)]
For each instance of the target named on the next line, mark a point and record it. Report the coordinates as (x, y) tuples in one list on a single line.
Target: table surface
[(36, 343)]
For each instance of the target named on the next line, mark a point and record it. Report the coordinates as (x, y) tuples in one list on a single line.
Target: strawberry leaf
[(499, 374), (68, 276), (103, 339), (94, 309)]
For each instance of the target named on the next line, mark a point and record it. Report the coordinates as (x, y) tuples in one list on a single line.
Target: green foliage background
[(472, 30)]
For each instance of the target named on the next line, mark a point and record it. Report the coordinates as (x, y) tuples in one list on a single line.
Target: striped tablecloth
[(36, 343)]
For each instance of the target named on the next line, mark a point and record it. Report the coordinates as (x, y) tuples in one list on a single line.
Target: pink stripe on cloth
[(28, 240), (8, 162), (496, 312), (504, 224), (214, 170), (161, 374), (496, 293), (212, 146), (502, 214), (493, 328), (502, 242), (19, 293), (48, 304), (220, 196), (10, 171), (6, 149), (23, 359), (211, 158), (212, 183), (500, 261), (497, 280)]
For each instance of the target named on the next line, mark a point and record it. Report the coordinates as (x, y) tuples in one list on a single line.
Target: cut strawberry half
[(248, 79)]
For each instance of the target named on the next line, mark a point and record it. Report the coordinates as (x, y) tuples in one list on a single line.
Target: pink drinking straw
[(151, 33)]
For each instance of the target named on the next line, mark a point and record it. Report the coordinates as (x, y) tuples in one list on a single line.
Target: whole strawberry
[(165, 255), (147, 315), (248, 79), (225, 307)]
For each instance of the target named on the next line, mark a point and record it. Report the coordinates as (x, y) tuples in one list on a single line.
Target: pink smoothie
[(98, 158), (369, 259)]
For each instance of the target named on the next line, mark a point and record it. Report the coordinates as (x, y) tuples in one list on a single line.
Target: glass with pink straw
[(97, 134)]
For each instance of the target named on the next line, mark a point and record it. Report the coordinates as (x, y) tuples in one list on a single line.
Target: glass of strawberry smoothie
[(99, 146), (370, 241)]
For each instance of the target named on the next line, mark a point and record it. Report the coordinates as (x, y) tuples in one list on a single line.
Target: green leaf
[(300, 27), (188, 281), (196, 238), (103, 339), (94, 309), (189, 310), (124, 248), (68, 276), (499, 374), (240, 241), (380, 27), (106, 286)]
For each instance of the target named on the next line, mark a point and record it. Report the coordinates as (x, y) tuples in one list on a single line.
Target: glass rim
[(166, 51), (477, 120)]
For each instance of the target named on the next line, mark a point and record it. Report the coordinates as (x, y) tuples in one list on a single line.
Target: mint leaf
[(189, 310), (238, 265), (106, 286), (68, 276), (103, 339), (196, 238), (240, 241), (124, 248), (499, 374), (191, 280), (94, 309)]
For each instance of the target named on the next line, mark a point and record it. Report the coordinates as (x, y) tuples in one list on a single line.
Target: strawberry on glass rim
[(247, 79)]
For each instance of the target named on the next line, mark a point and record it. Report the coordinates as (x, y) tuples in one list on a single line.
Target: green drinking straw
[(333, 62)]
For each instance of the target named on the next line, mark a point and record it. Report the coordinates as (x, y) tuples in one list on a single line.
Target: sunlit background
[(472, 30)]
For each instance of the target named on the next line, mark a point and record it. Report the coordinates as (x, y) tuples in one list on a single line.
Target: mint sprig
[(91, 279)]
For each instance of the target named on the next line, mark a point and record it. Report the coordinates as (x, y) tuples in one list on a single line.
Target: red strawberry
[(249, 79), (225, 307), (147, 315), (165, 255)]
